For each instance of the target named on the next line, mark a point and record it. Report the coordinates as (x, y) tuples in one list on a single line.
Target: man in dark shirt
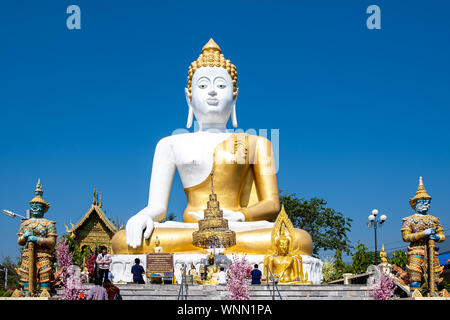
[(137, 270), (256, 275)]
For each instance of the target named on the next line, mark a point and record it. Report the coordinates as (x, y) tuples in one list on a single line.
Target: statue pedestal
[(122, 263)]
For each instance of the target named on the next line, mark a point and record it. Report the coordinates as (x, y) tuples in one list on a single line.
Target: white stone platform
[(122, 263), (257, 292)]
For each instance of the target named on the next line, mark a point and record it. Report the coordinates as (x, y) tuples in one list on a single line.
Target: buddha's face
[(212, 95), (283, 246), (422, 206)]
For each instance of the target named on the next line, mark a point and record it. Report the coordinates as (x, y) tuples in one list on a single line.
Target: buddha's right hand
[(135, 226)]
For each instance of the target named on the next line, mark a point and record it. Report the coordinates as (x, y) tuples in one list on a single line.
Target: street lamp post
[(12, 215), (373, 221)]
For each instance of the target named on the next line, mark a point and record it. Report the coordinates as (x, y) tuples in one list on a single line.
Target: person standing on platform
[(256, 275), (137, 270), (97, 292), (111, 290), (103, 261), (222, 276)]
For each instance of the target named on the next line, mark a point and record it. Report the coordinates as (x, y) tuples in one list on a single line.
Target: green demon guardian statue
[(38, 235)]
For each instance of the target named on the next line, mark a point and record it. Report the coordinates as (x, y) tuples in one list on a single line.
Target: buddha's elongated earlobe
[(191, 111), (233, 116), (233, 112), (190, 118)]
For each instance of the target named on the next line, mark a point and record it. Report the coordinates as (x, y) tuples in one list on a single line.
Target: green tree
[(327, 227), (339, 264), (170, 217), (329, 271), (399, 258), (361, 259)]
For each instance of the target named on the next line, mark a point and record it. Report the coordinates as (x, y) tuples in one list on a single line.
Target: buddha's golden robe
[(244, 180)]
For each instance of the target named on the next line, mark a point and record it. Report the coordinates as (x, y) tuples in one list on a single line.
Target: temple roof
[(96, 208)]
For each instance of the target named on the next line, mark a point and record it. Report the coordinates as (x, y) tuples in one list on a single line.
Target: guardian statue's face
[(212, 95), (37, 210), (422, 206)]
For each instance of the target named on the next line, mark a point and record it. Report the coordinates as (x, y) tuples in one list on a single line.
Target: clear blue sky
[(361, 113)]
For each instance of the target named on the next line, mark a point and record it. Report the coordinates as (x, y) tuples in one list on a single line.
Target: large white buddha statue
[(243, 166)]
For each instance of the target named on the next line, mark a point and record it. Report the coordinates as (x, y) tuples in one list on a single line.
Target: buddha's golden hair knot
[(212, 56)]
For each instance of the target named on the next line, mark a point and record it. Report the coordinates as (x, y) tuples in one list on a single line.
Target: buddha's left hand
[(233, 215), (230, 215), (197, 215)]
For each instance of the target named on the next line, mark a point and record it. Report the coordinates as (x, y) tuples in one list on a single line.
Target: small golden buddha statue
[(213, 273), (196, 278), (211, 258), (383, 255), (284, 263), (157, 248)]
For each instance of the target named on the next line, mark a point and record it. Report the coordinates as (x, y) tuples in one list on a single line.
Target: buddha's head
[(283, 245), (38, 206), (211, 91), (422, 201)]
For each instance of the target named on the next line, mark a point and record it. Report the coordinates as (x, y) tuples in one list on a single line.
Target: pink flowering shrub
[(63, 255), (69, 280), (237, 284), (383, 289), (90, 261)]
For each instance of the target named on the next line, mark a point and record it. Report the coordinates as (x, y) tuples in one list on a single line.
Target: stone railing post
[(346, 277)]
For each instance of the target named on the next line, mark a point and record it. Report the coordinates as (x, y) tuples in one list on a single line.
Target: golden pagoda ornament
[(213, 228)]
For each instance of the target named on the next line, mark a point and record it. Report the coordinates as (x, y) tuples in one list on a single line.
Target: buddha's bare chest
[(194, 156), (196, 149)]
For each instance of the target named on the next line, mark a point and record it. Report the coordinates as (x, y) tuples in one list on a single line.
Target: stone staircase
[(257, 292)]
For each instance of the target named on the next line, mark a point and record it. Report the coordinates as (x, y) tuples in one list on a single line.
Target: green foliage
[(362, 259), (329, 271), (6, 293), (75, 248), (399, 258), (444, 285), (339, 265), (78, 254), (13, 280), (327, 227)]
